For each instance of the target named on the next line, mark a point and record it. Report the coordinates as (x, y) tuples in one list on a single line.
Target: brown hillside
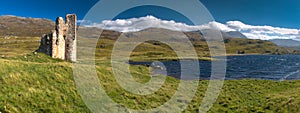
[(19, 26)]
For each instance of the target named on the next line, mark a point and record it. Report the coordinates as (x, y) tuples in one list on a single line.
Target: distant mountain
[(233, 45), (229, 34), (287, 43), (89, 32), (234, 34), (20, 26)]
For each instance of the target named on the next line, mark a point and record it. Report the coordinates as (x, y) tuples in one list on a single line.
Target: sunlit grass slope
[(34, 82)]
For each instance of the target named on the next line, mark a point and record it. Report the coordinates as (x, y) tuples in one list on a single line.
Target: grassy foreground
[(34, 82), (48, 86)]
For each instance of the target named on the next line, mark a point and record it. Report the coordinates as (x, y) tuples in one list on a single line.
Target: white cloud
[(252, 32), (137, 24), (264, 32)]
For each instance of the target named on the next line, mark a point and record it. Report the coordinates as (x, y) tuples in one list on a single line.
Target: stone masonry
[(61, 42)]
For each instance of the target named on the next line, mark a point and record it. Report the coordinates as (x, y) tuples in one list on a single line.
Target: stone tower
[(61, 42)]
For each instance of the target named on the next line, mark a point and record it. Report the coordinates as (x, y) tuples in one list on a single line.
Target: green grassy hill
[(30, 85), (34, 82)]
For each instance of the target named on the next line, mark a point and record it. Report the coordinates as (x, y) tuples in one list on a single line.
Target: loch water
[(266, 67)]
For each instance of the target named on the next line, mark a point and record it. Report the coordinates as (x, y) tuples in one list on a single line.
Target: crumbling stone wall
[(71, 37), (61, 42)]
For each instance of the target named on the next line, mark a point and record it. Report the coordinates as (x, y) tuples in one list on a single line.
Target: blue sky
[(254, 12)]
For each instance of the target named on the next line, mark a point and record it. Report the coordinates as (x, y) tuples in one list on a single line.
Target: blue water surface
[(267, 67)]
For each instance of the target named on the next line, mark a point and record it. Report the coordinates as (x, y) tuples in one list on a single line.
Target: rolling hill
[(20, 26)]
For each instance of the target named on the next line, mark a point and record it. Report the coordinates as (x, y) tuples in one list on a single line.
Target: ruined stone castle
[(61, 42)]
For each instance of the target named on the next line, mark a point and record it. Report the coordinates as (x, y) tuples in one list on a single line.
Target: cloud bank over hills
[(251, 31), (137, 24), (264, 32)]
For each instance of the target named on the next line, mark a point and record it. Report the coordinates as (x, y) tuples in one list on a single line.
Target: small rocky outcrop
[(241, 52)]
